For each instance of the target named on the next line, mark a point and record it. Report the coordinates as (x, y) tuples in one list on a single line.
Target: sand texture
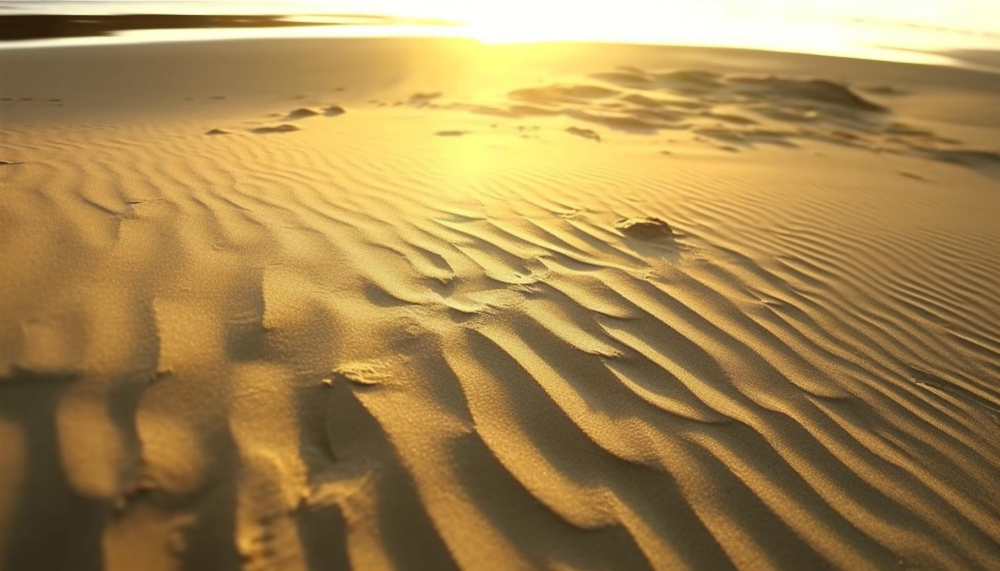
[(427, 304)]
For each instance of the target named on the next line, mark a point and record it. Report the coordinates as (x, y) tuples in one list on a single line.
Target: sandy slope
[(446, 332)]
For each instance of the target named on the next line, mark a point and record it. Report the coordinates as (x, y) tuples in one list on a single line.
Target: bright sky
[(981, 15), (817, 26)]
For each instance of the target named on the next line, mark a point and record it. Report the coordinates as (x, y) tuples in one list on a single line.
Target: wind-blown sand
[(261, 307)]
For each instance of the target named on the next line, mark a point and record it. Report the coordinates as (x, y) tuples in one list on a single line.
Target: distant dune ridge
[(785, 110), (19, 26), (457, 316)]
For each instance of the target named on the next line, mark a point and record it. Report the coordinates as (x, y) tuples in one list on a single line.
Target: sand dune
[(354, 343), (271, 129), (738, 111)]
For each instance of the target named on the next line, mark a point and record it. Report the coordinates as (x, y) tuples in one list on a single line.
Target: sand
[(262, 307)]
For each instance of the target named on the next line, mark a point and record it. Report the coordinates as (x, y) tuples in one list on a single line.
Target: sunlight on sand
[(437, 304), (496, 301)]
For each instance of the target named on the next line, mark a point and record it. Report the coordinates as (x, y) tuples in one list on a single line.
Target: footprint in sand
[(271, 129), (451, 133)]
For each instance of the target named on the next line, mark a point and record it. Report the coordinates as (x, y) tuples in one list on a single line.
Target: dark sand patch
[(585, 133), (628, 123), (556, 94), (302, 113), (14, 27), (284, 128), (421, 97), (334, 111), (812, 90), (729, 118), (884, 90), (642, 100)]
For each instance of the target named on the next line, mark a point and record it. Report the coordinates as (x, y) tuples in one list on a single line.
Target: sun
[(522, 21), (626, 21)]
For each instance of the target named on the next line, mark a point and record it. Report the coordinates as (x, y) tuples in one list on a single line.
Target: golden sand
[(426, 304)]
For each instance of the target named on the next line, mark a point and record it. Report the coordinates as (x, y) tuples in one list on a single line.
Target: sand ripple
[(307, 351)]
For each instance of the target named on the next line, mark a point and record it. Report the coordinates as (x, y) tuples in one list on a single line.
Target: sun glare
[(562, 20), (775, 25), (803, 26)]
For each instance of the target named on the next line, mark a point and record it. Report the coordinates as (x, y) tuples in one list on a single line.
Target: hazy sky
[(981, 15), (973, 14), (810, 26)]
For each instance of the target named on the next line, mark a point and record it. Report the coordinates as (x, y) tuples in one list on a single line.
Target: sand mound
[(585, 133), (334, 111), (813, 90), (421, 97), (745, 111), (271, 129), (688, 79), (642, 100), (556, 94), (302, 113), (646, 228), (967, 157)]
